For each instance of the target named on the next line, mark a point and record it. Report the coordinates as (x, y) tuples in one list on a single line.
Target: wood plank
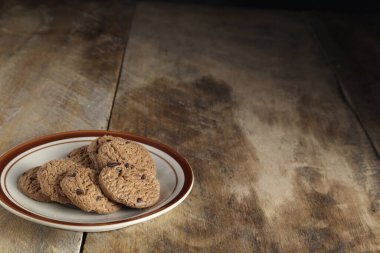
[(351, 43), (59, 65), (281, 163)]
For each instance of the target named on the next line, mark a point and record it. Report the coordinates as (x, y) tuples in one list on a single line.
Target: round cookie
[(50, 175), (94, 146), (30, 186), (81, 156), (81, 187), (124, 151), (129, 185)]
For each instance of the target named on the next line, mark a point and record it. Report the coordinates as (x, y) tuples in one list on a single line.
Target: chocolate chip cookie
[(130, 186), (94, 146), (124, 151), (81, 156), (30, 186), (50, 175), (81, 187)]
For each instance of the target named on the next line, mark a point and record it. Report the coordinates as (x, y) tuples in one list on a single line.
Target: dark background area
[(341, 6)]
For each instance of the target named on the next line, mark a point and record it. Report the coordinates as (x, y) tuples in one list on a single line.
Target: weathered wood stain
[(281, 164), (197, 118), (334, 185)]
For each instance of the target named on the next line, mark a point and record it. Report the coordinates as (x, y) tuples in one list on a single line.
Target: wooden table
[(276, 111)]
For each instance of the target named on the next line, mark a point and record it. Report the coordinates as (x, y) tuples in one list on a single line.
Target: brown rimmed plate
[(173, 172)]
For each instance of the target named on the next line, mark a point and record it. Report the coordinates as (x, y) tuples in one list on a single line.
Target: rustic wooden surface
[(56, 74), (352, 45), (252, 98), (281, 163)]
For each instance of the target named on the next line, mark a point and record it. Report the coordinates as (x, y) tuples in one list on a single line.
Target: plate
[(173, 172)]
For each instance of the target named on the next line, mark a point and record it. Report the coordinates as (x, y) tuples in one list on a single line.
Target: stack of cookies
[(101, 177)]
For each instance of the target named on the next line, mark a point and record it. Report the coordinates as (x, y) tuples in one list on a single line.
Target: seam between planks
[(83, 241), (343, 94), (84, 236), (117, 87), (121, 66), (346, 99)]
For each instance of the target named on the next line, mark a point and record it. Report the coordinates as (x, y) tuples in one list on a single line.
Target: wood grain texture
[(59, 64), (351, 43), (281, 163)]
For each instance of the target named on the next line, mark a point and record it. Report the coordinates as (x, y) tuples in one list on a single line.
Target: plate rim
[(15, 151)]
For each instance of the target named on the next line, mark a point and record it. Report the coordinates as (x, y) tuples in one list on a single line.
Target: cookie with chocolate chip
[(94, 146), (125, 152), (50, 175), (80, 155), (81, 187), (30, 186), (129, 185)]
